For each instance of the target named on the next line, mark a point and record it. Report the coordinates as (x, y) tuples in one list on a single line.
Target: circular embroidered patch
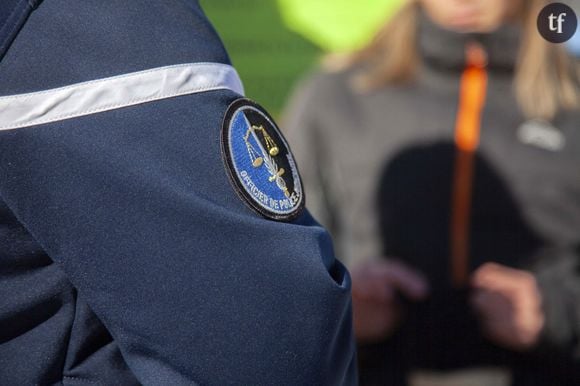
[(259, 162)]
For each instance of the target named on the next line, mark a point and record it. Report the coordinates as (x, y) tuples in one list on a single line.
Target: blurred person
[(131, 250), (444, 158)]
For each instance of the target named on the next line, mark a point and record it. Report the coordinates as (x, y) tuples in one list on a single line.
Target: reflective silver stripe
[(23, 110)]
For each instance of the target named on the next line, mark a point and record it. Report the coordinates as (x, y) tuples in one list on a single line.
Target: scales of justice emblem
[(260, 163), (265, 155)]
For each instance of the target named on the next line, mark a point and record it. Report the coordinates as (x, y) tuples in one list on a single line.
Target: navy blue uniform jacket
[(126, 254)]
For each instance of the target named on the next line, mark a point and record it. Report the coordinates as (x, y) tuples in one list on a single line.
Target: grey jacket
[(377, 170)]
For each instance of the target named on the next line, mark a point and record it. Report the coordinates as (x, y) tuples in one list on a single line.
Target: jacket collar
[(445, 50)]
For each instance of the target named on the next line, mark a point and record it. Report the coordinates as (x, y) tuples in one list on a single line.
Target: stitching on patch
[(228, 158)]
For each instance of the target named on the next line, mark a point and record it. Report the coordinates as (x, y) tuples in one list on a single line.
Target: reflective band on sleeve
[(24, 110)]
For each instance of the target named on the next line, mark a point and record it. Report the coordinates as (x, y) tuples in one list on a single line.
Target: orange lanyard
[(467, 131)]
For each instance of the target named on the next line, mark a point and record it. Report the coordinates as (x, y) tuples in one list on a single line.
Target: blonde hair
[(545, 81)]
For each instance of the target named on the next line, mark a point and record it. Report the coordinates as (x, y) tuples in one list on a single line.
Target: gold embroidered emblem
[(265, 156)]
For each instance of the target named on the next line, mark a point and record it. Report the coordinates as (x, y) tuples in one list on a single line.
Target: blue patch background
[(260, 176)]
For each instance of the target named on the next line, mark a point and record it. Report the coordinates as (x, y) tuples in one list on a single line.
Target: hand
[(510, 305), (376, 311)]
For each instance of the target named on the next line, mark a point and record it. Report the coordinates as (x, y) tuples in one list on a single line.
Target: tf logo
[(557, 23)]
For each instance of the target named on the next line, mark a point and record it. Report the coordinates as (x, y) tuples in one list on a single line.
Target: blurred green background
[(268, 56), (272, 43)]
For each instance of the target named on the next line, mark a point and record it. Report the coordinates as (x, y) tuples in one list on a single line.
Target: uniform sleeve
[(558, 275), (302, 128), (136, 207)]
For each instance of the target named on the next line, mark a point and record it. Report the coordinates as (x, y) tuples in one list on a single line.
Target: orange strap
[(467, 128)]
